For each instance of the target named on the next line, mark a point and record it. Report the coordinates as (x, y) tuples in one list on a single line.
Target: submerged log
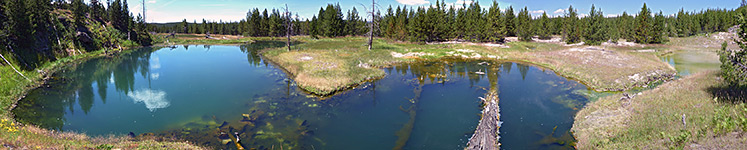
[(486, 135)]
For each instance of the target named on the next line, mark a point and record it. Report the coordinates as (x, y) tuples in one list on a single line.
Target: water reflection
[(78, 87), (226, 100), (153, 99)]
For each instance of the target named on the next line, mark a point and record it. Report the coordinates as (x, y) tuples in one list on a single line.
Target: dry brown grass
[(653, 119), (334, 62), (604, 70)]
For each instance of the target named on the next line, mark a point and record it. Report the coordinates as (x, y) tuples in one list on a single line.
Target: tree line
[(329, 22), (35, 31), (474, 23)]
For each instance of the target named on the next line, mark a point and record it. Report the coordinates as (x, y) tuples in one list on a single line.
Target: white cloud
[(459, 4), (151, 2), (413, 2), (612, 15), (583, 15), (155, 76), (153, 99), (559, 11), (156, 63), (536, 11)]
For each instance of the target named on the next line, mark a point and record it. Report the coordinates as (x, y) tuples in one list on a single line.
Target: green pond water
[(688, 62), (206, 94)]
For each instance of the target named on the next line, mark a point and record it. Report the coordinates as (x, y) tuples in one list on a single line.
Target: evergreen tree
[(184, 26), (734, 62), (571, 31), (684, 23), (595, 31), (474, 23), (39, 14), (625, 26), (524, 25), (510, 21), (332, 22), (643, 26), (496, 28), (658, 34), (95, 10), (79, 11), (544, 27), (418, 27), (313, 31), (19, 29), (450, 21), (440, 21), (116, 15), (612, 27), (352, 23), (3, 31)]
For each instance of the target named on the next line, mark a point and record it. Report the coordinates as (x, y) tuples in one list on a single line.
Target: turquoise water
[(204, 94)]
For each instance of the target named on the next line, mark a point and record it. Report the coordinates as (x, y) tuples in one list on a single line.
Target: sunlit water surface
[(205, 94)]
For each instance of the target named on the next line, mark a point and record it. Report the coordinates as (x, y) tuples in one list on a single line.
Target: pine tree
[(79, 11), (658, 34), (510, 21), (39, 14), (524, 25), (496, 28), (474, 23), (115, 11), (417, 26), (625, 26), (595, 32), (543, 27), (19, 29), (184, 26), (449, 25), (332, 22), (643, 26), (734, 62), (571, 32), (612, 26), (352, 22), (683, 23)]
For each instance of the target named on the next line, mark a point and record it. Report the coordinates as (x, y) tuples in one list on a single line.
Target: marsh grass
[(335, 63), (654, 119)]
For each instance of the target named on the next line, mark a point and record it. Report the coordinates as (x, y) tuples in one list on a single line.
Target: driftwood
[(14, 68), (486, 135)]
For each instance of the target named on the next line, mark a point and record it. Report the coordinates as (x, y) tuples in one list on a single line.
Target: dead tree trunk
[(288, 27), (14, 68), (371, 26)]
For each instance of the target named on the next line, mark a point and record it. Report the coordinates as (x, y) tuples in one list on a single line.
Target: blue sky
[(233, 10)]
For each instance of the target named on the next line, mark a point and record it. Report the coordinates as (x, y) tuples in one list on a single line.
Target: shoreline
[(521, 58)]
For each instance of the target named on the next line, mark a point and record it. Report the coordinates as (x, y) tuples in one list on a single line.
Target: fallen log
[(486, 135)]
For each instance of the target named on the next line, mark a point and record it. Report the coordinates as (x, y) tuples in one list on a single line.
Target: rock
[(83, 37)]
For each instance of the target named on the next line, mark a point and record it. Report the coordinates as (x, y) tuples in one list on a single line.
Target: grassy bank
[(323, 66), (15, 136), (690, 113)]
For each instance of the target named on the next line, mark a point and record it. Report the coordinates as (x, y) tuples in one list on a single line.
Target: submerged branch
[(404, 133)]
